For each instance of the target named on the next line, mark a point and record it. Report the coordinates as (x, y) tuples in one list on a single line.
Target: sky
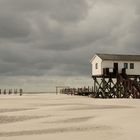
[(44, 43)]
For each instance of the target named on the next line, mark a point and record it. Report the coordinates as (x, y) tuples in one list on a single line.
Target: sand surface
[(63, 117)]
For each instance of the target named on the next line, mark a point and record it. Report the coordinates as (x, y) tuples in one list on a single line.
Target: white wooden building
[(100, 62)]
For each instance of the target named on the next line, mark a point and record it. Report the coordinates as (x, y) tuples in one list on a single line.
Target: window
[(126, 65), (96, 66), (131, 65)]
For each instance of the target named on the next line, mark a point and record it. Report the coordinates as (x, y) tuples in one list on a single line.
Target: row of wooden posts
[(85, 91), (11, 91)]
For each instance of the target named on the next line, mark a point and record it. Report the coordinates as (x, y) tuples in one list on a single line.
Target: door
[(116, 67)]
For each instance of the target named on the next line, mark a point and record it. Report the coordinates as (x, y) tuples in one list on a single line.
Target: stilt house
[(116, 76), (111, 64)]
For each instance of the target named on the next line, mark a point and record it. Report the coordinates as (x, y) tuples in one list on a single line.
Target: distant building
[(105, 64)]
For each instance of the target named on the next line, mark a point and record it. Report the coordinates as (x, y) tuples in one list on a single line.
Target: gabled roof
[(119, 57)]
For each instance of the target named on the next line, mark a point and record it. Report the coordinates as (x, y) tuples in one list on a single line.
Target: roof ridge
[(117, 54), (119, 57)]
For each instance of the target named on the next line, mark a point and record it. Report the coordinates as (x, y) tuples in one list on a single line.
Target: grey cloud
[(14, 62), (60, 10), (65, 10), (12, 26), (58, 37)]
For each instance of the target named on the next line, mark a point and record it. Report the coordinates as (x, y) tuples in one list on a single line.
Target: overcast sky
[(47, 38)]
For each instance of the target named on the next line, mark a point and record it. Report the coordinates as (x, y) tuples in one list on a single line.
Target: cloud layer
[(58, 37)]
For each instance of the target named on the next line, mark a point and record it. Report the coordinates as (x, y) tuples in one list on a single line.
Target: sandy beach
[(63, 117)]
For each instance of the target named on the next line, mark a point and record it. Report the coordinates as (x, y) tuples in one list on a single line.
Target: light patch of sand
[(3, 110), (92, 107)]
